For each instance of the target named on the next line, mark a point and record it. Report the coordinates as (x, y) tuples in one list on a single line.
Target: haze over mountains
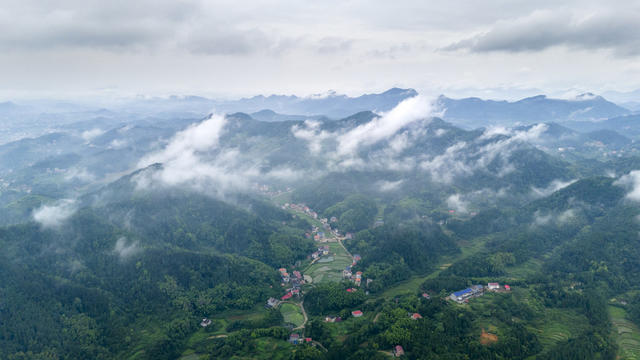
[(123, 227)]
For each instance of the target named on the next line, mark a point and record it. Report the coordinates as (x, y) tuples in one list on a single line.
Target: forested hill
[(231, 237)]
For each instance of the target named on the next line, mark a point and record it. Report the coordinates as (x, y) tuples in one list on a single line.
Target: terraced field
[(626, 333), (329, 268), (561, 324), (292, 314)]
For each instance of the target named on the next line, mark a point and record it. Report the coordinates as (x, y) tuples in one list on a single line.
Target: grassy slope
[(626, 333), (292, 314)]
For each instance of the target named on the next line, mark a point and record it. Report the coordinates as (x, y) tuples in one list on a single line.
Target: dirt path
[(345, 249), (375, 319), (304, 314), (320, 345)]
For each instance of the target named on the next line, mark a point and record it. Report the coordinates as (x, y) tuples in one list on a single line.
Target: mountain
[(166, 236), (629, 99), (627, 124), (475, 112), (332, 105), (271, 116)]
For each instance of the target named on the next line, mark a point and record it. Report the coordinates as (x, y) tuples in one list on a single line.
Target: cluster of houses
[(326, 225), (296, 339), (348, 274), (268, 190), (495, 287), (295, 281), (301, 208), (463, 296), (322, 251), (317, 234)]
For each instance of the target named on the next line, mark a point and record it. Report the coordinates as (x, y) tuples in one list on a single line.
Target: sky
[(227, 49)]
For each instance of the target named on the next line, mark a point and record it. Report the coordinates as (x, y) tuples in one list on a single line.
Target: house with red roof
[(286, 296), (356, 313), (416, 316)]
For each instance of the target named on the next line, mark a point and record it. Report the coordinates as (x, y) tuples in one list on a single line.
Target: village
[(331, 261)]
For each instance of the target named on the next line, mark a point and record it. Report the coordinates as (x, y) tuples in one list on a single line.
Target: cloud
[(117, 144), (330, 45), (456, 203), (81, 174), (91, 24), (194, 158), (406, 112), (440, 132), (465, 158), (118, 26), (553, 218), (312, 133), (228, 41), (91, 134), (124, 248), (384, 137), (386, 143), (386, 186), (53, 216), (631, 182), (185, 145), (553, 186), (543, 29)]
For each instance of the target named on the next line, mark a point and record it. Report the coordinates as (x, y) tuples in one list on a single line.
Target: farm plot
[(292, 314), (626, 333)]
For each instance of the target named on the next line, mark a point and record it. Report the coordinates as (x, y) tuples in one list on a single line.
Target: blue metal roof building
[(461, 292)]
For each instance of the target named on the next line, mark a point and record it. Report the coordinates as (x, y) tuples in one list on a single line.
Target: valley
[(303, 238)]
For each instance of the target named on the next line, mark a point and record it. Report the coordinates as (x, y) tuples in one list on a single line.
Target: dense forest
[(302, 256)]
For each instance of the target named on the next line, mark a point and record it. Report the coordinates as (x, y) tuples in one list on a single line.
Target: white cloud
[(91, 134), (543, 29), (381, 128), (312, 133), (553, 186), (341, 148), (52, 216), (117, 144), (193, 158), (441, 132), (124, 248), (548, 218), (81, 174), (185, 145), (631, 182), (386, 186), (456, 203)]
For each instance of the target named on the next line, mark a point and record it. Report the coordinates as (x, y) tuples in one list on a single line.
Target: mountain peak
[(588, 96)]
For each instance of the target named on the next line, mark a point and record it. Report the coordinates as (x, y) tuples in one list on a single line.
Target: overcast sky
[(494, 48)]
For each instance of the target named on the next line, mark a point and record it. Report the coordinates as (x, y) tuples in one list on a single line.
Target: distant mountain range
[(331, 105), (476, 112), (35, 118)]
